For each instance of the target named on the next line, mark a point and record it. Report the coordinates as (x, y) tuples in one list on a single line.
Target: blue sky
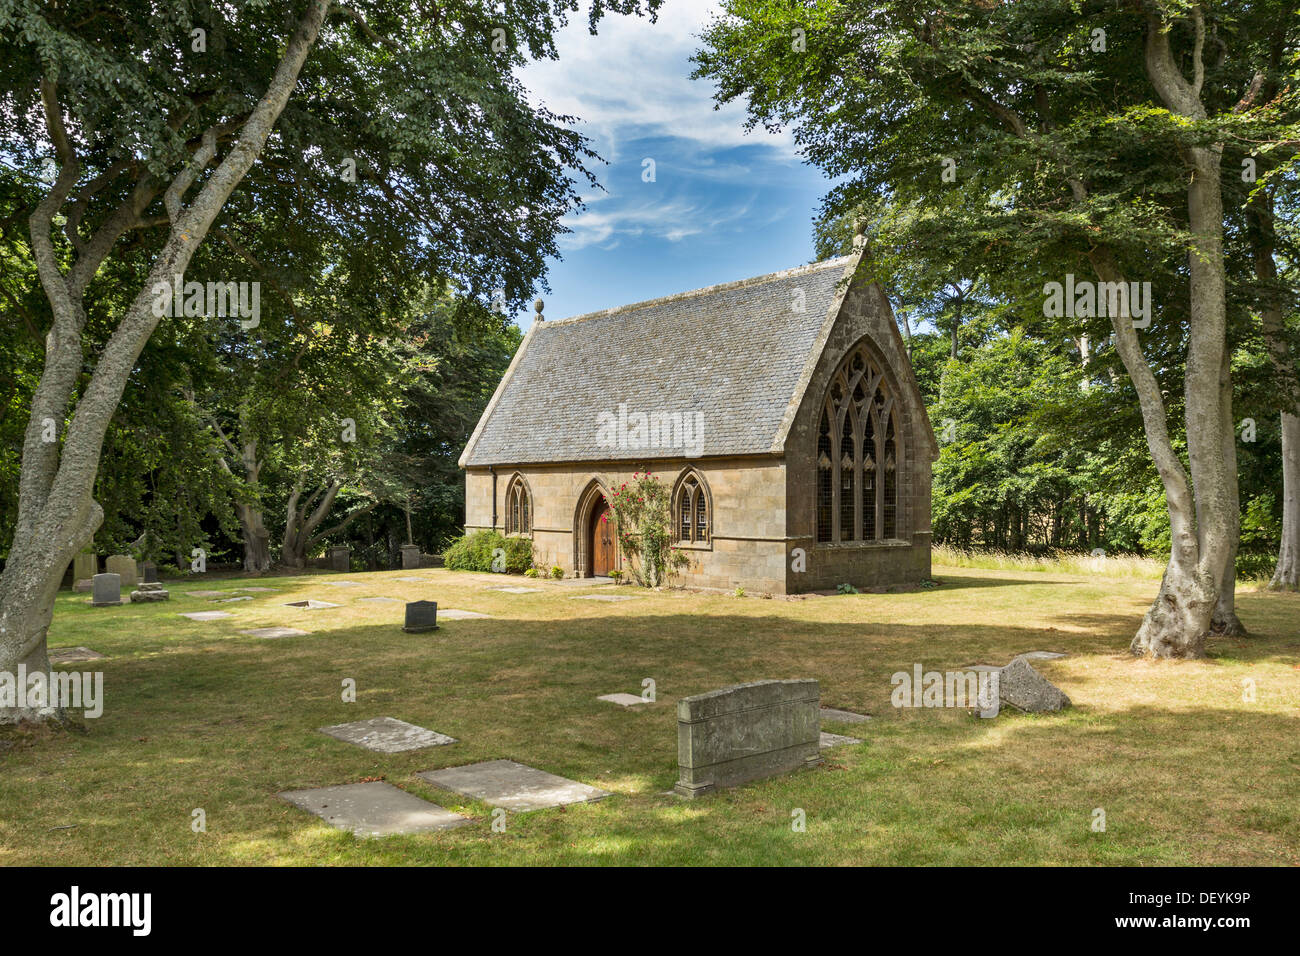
[(725, 204)]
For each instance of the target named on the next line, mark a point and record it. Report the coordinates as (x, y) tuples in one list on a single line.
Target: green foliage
[(557, 572), (642, 520), (846, 589), (480, 550), (531, 573)]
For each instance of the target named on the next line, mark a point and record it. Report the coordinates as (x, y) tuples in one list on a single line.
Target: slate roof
[(735, 353)]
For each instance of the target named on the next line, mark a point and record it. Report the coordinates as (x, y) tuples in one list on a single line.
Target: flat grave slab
[(623, 700), (453, 614), (205, 594), (1041, 655), (229, 600), (602, 597), (257, 589), (836, 740), (343, 584), (516, 590), (386, 735), (206, 615), (274, 632), (374, 809), (310, 605), (415, 580), (514, 786), (844, 716), (71, 655), (581, 582), (378, 600)]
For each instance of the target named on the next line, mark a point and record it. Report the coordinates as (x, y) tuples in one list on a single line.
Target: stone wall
[(747, 496), (865, 315)]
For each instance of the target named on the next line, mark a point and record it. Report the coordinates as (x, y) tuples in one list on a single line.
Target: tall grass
[(1061, 562)]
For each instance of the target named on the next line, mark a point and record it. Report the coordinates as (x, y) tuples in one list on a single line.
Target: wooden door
[(602, 540)]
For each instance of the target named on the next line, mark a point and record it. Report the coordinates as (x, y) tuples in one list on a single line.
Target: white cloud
[(633, 81)]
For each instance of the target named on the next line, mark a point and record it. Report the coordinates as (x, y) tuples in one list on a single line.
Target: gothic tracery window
[(858, 456), (691, 511), (519, 507)]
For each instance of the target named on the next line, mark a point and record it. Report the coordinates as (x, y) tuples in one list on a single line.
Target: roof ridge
[(720, 287)]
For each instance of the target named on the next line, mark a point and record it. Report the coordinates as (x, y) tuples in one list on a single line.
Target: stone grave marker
[(410, 556), (623, 700), (835, 740), (387, 735), (1025, 689), (84, 567), (123, 565), (274, 632), (603, 597), (747, 732), (455, 614), (340, 559), (374, 809), (514, 786), (107, 590), (206, 615), (149, 591), (421, 616), (148, 572), (73, 655), (843, 716), (311, 604)]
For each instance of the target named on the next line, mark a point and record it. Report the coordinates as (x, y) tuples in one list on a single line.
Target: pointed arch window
[(858, 455), (519, 507), (692, 521)]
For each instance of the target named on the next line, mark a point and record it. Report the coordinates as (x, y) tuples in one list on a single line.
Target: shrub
[(643, 522), (557, 572), (480, 550), (530, 573), (846, 589)]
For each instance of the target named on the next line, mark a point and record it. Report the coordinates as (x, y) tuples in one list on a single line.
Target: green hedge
[(474, 552)]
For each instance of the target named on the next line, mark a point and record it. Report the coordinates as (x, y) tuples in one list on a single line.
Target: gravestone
[(84, 567), (410, 556), (374, 809), (106, 590), (123, 565), (747, 732), (421, 616), (339, 559), (1025, 689), (148, 572), (514, 786), (149, 591), (387, 735)]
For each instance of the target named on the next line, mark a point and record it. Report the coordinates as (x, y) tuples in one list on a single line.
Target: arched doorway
[(595, 546), (603, 550)]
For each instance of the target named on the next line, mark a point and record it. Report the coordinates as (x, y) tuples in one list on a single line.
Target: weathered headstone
[(410, 556), (747, 732), (148, 572), (106, 590), (1025, 689), (421, 616), (387, 735), (149, 591), (123, 565), (85, 566), (340, 558)]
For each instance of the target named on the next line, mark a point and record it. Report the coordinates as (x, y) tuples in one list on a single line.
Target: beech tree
[(136, 126), (1095, 135)]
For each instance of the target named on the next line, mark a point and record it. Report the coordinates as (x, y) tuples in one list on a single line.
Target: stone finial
[(538, 305)]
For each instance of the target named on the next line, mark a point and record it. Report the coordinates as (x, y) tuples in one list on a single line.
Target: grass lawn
[(199, 716)]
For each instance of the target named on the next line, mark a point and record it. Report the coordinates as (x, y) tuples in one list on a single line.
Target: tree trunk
[(57, 514), (1224, 620), (1287, 575), (257, 540)]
